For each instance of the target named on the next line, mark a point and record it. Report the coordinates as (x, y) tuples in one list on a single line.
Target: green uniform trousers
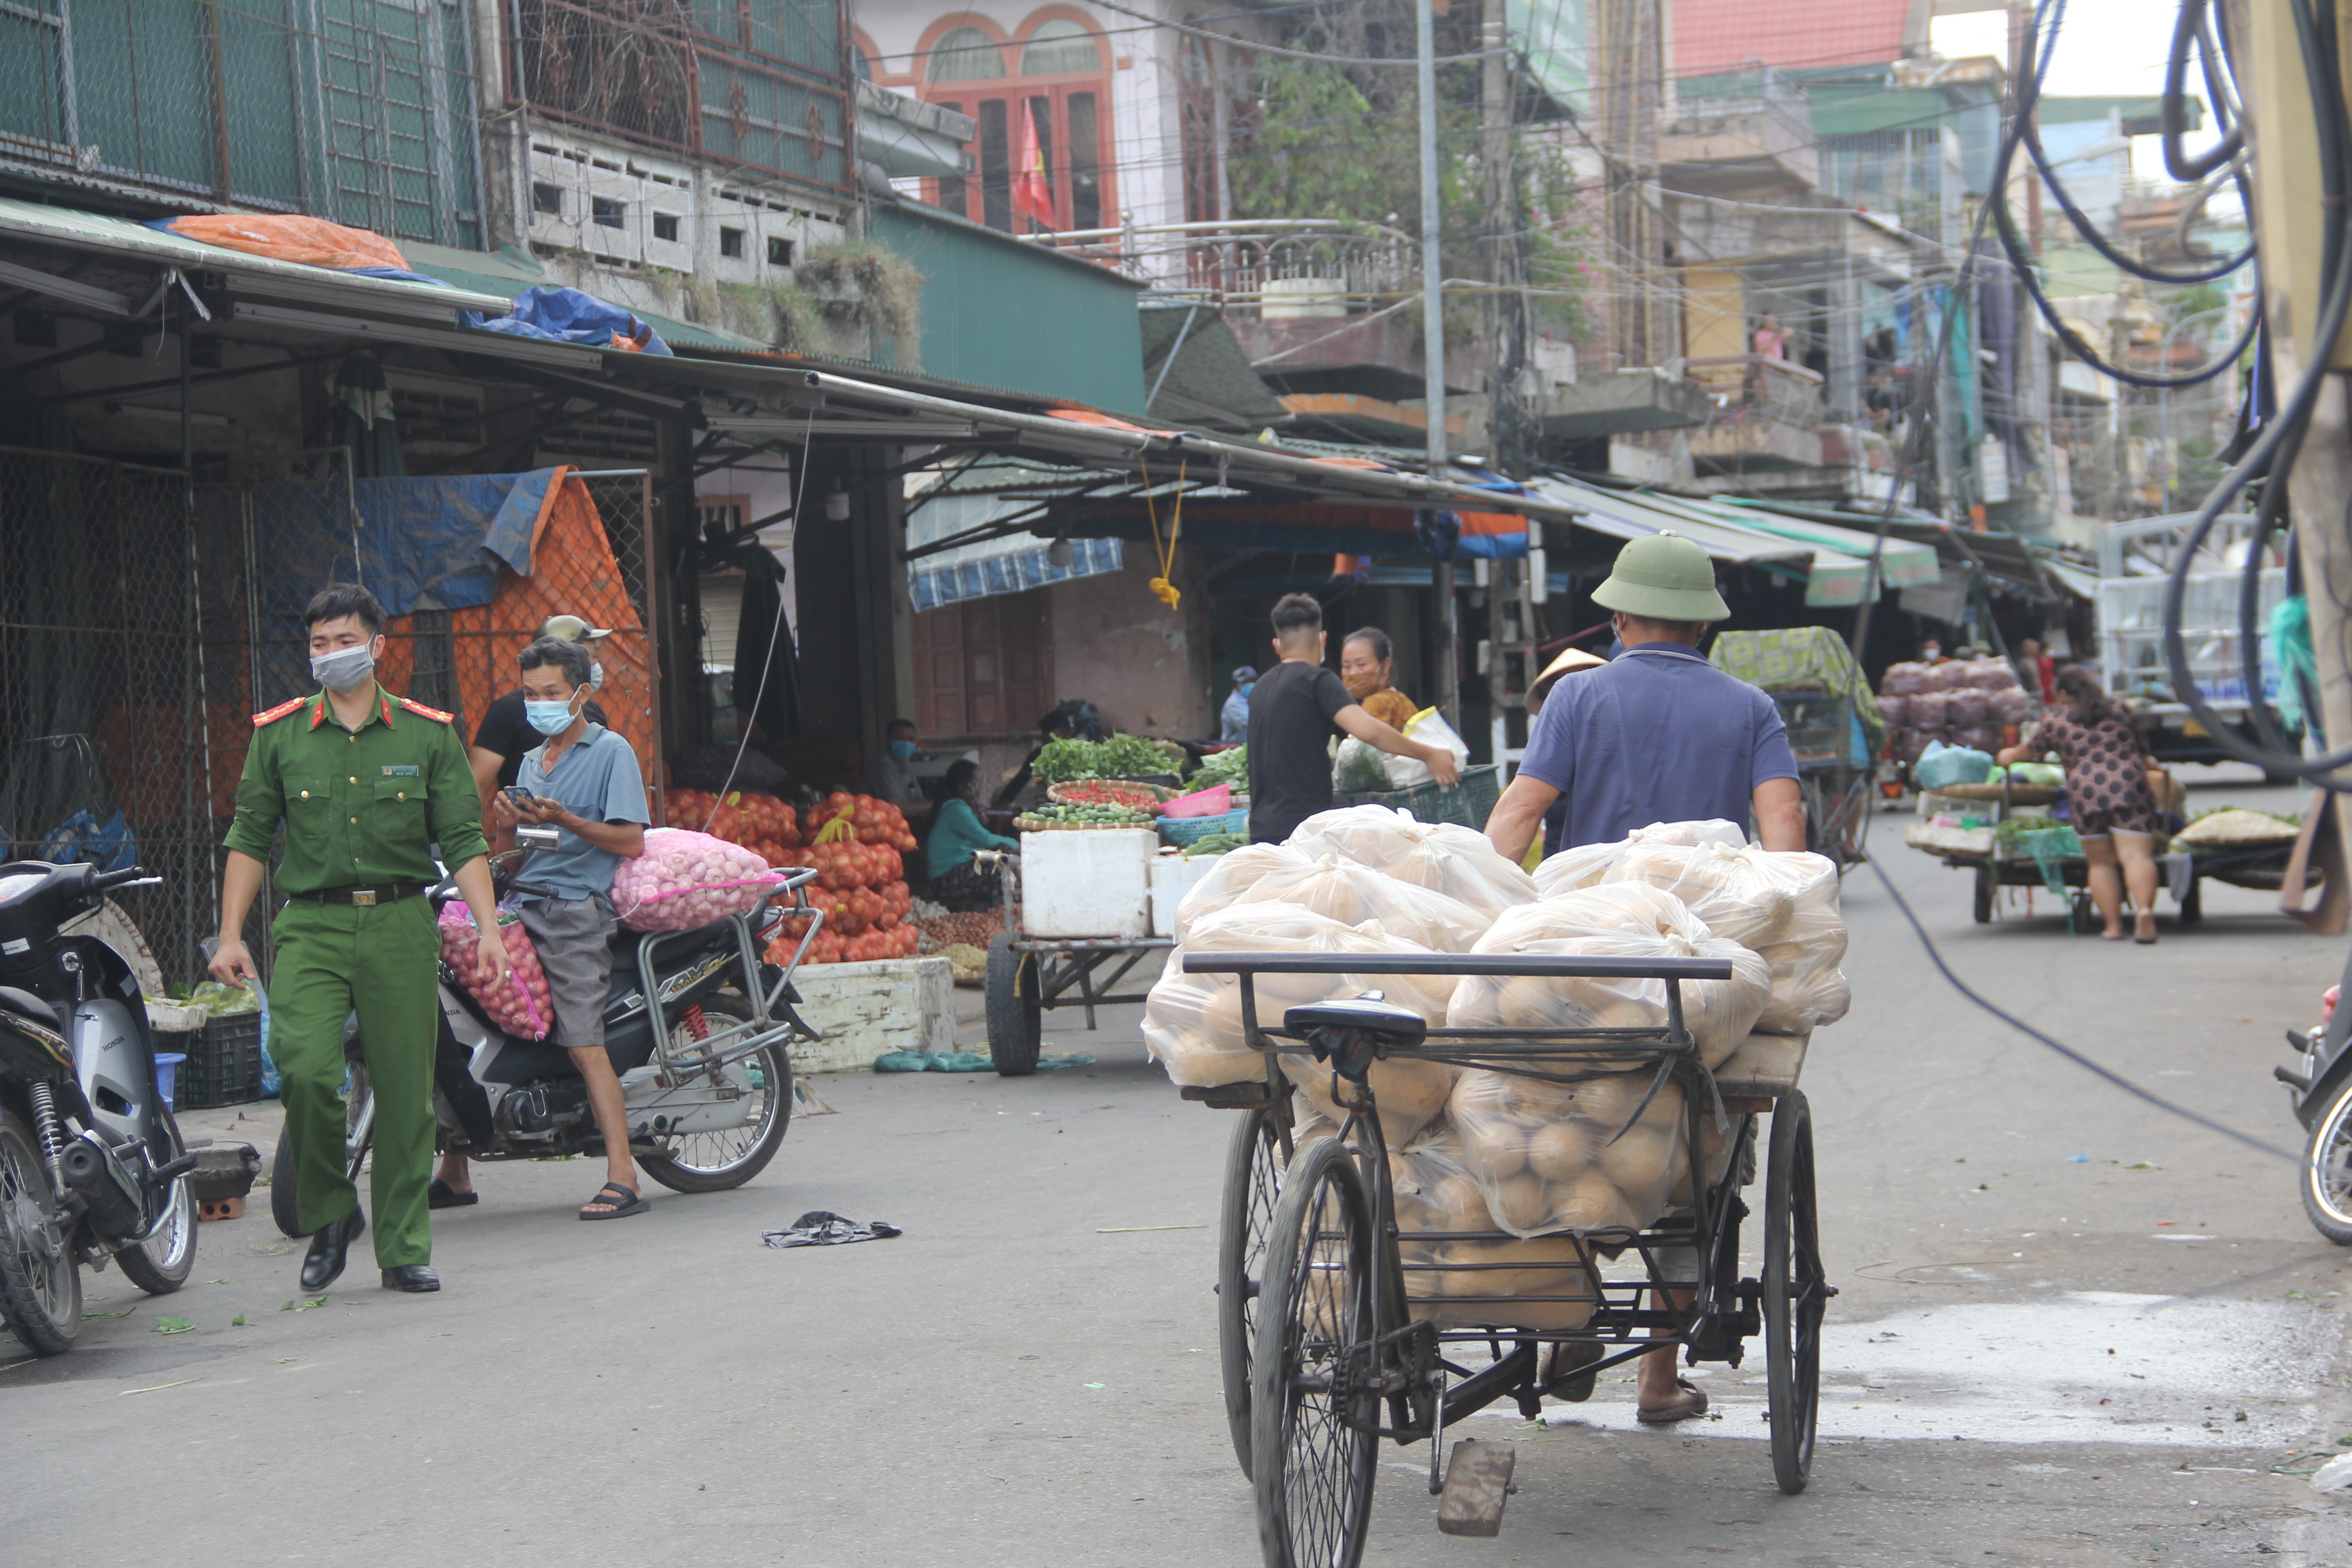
[(333, 961)]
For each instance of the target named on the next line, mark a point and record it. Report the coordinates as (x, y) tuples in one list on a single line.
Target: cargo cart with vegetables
[(1077, 917)]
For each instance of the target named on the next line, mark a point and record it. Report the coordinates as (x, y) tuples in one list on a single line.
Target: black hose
[(2273, 450), (2178, 162), (2069, 1052), (2089, 231)]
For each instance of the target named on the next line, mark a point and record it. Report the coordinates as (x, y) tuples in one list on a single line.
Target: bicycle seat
[(1371, 1012)]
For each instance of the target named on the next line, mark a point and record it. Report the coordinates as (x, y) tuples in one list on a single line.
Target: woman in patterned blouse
[(2113, 810)]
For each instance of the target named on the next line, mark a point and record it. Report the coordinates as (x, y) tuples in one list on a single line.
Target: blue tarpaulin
[(568, 316)]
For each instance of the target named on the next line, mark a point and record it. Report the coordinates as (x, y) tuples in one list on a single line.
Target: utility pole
[(2289, 214), (1505, 312), (1433, 341)]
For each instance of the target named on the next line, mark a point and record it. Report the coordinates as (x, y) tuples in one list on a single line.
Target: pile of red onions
[(521, 1007)]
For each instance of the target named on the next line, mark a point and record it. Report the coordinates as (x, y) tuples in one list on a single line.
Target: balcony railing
[(1274, 270), (1750, 386)]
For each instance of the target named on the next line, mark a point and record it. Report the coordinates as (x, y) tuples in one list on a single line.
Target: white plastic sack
[(1192, 1023), (1234, 872), (1352, 894), (1748, 895), (1589, 864), (1444, 856), (1600, 922), (1553, 1156), (1546, 1288), (1430, 728)]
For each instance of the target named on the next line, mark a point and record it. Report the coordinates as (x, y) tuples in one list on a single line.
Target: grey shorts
[(574, 937)]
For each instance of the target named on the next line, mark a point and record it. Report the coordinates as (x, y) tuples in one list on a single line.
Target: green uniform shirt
[(362, 808)]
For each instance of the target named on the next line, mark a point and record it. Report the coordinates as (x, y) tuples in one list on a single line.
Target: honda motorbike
[(91, 1165), (706, 1070)]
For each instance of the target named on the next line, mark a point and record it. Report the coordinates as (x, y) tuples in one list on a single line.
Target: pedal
[(1477, 1482)]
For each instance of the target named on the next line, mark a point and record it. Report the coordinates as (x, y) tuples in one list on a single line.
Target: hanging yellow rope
[(1167, 591)]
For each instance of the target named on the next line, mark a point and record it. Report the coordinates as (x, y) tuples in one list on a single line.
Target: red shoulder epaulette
[(274, 714), (434, 713)]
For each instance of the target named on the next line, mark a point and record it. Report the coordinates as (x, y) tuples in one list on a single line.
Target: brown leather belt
[(363, 897)]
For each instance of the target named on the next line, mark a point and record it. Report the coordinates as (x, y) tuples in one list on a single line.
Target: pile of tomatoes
[(832, 947), (760, 822)]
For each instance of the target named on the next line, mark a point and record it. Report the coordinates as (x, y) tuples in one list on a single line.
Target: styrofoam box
[(1173, 877), (1088, 883)]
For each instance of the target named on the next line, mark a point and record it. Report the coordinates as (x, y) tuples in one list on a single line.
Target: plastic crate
[(1823, 731), (1182, 830), (224, 1065), (1468, 803)]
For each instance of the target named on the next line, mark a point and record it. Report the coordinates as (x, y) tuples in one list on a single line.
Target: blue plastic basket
[(167, 1067), (1182, 830)]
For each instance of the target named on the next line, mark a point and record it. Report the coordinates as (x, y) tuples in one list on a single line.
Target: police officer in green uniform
[(365, 785)]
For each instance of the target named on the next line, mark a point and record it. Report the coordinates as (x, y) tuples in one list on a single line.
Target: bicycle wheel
[(1795, 1293), (1252, 1183), (1314, 1383)]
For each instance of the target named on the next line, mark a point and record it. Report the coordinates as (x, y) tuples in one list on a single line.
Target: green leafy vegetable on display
[(1121, 756), (1223, 767)]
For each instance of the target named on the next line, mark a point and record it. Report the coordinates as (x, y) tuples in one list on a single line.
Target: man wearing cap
[(1658, 734), (505, 732), (1234, 715)]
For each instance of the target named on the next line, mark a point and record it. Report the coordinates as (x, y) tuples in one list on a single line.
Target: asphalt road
[(2074, 1327)]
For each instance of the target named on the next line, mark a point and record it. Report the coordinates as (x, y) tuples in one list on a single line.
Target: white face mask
[(344, 670)]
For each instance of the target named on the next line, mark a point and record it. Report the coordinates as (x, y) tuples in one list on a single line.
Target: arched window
[(1041, 146), (1060, 47), (964, 53)]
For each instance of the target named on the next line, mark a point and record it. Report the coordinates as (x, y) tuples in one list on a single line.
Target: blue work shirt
[(1658, 735), (597, 779)]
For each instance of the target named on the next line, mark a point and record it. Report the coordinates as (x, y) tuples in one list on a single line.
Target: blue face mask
[(549, 719), (903, 749), (1248, 688)]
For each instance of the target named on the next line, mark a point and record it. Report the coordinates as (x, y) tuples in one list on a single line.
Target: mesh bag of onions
[(1345, 891), (521, 1007), (685, 879)]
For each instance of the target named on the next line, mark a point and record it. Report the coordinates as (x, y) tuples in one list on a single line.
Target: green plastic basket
[(1468, 803)]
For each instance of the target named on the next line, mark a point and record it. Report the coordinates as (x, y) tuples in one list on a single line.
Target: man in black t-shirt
[(504, 735), (1293, 710)]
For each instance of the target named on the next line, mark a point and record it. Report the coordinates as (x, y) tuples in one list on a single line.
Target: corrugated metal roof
[(492, 273), (1717, 36), (72, 230)]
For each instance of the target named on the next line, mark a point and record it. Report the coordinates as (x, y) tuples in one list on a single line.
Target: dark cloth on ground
[(1290, 724)]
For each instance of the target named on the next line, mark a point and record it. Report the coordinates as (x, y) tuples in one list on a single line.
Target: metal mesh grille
[(133, 653), (123, 687)]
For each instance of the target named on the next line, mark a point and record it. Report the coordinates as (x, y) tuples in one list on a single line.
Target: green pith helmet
[(1663, 577)]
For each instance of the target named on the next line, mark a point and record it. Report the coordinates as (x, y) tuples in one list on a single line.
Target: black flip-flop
[(441, 1195), (624, 1202)]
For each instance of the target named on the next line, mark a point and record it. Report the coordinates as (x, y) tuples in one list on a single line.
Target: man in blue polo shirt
[(582, 780), (1658, 734)]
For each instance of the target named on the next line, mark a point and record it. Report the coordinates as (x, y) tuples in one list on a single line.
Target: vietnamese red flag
[(1032, 195)]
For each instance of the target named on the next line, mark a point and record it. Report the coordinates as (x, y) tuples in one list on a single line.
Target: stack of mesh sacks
[(1963, 703), (1474, 1151)]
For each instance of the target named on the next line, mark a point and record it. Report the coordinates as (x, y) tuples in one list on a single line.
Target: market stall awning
[(973, 495), (1901, 562), (1628, 515)]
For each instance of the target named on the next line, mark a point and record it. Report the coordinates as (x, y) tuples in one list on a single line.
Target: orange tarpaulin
[(285, 237), (572, 572)]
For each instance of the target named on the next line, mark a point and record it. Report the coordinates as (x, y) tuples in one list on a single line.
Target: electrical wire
[(2274, 448), (2187, 26), (2099, 242)]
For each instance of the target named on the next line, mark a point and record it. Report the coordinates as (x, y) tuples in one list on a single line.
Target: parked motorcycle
[(708, 1093), (91, 1165)]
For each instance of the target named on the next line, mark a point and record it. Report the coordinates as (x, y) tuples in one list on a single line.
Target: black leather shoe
[(323, 1265), (415, 1278)]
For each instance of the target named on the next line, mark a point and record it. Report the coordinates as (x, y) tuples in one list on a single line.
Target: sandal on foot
[(441, 1195), (1568, 1373), (1690, 1400), (2149, 940), (617, 1200)]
